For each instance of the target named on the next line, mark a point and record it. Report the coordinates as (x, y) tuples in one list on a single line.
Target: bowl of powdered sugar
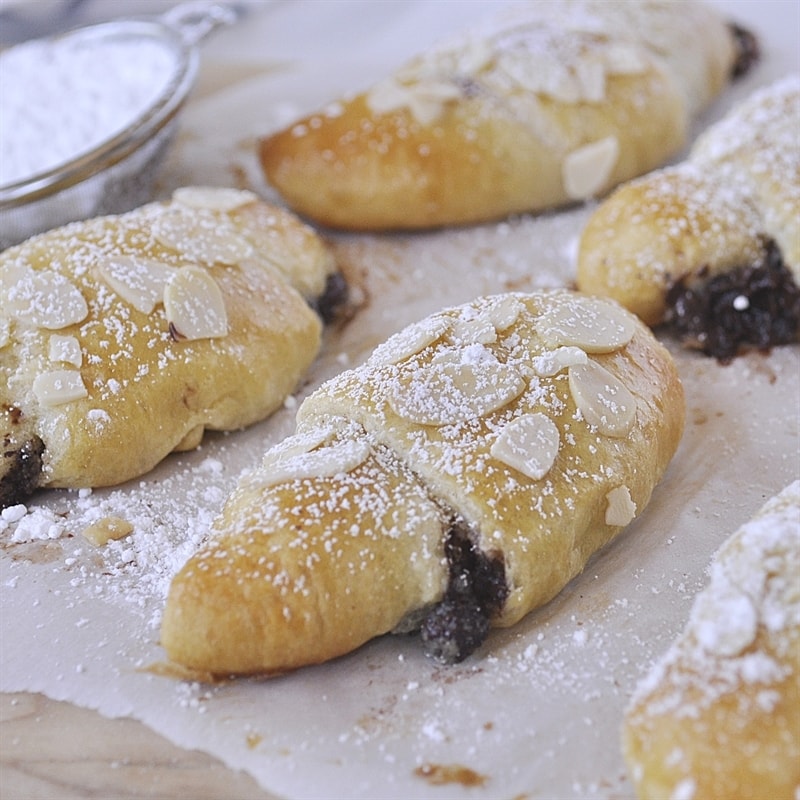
[(87, 116)]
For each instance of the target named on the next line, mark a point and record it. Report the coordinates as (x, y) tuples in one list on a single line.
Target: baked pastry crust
[(470, 467), (717, 717), (737, 195), (545, 106), (123, 338)]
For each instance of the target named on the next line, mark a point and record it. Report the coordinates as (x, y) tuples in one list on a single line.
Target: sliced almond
[(594, 324), (554, 361), (199, 238), (586, 171), (621, 509), (5, 332), (475, 329), (44, 299), (138, 281), (409, 341), (622, 58), (481, 326), (505, 312), (325, 462), (457, 386), (194, 305), (213, 198), (66, 349), (425, 99), (725, 620), (59, 386), (602, 399), (528, 444), (299, 443), (106, 530)]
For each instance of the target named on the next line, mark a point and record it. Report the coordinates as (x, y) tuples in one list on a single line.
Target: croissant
[(456, 480), (711, 245), (545, 105), (717, 717), (123, 338)]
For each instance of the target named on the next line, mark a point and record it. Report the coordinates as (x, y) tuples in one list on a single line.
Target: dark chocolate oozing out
[(476, 590), (747, 47), (20, 469), (333, 298), (755, 306)]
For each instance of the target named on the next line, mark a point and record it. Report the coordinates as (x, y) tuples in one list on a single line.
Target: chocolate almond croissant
[(123, 338), (455, 481), (717, 715), (546, 105), (711, 245)]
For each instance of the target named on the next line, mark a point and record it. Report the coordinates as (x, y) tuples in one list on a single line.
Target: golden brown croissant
[(719, 715), (455, 481), (712, 244), (123, 338), (546, 105)]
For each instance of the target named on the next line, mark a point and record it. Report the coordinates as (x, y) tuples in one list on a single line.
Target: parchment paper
[(536, 712)]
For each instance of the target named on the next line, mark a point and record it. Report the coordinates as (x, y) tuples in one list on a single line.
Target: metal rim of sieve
[(181, 29)]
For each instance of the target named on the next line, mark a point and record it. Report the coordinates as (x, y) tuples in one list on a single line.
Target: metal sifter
[(118, 174)]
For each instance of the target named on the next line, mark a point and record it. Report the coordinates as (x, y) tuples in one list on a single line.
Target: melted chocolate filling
[(748, 50), (476, 590), (333, 298), (20, 469), (755, 306)]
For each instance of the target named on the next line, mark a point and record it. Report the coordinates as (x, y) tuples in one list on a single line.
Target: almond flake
[(213, 198), (457, 386), (200, 238), (586, 171), (325, 462), (5, 332), (425, 99), (45, 299), (604, 402), (528, 444), (107, 529), (505, 312), (725, 620), (194, 305), (66, 349), (58, 387), (299, 443), (138, 281), (621, 509), (477, 329), (409, 341), (552, 362), (594, 324), (624, 59), (482, 327)]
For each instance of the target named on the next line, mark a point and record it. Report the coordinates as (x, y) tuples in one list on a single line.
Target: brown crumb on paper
[(441, 774)]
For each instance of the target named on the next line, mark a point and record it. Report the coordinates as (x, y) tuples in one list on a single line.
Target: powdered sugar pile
[(62, 98), (135, 569)]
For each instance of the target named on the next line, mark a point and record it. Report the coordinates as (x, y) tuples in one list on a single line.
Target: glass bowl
[(119, 173)]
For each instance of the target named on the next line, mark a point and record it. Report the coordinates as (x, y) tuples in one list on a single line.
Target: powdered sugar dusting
[(739, 651), (170, 515)]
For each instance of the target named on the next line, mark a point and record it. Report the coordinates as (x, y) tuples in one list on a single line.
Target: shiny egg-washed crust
[(339, 535), (717, 717), (551, 104), (738, 191), (148, 390)]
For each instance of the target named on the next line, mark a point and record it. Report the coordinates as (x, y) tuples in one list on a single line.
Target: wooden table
[(57, 751)]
